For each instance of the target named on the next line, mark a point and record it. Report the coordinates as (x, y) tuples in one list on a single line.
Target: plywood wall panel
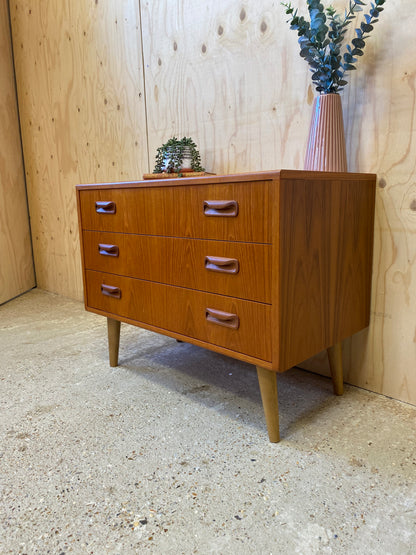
[(219, 71), (16, 264), (380, 117), (81, 97), (230, 75)]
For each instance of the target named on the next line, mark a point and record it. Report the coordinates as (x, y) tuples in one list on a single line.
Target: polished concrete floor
[(168, 452)]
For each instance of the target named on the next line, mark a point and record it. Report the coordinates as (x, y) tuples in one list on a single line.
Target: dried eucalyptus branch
[(322, 37)]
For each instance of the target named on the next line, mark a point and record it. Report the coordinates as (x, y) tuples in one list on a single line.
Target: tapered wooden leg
[(335, 363), (113, 329), (268, 391)]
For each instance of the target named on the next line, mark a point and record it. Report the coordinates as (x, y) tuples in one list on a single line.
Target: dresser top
[(273, 175)]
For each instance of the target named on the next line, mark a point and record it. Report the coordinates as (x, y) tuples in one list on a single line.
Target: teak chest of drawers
[(269, 268)]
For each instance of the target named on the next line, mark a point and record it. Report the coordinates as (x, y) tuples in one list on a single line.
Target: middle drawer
[(235, 269)]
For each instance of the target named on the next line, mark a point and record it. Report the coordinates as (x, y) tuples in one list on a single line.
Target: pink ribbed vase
[(326, 144)]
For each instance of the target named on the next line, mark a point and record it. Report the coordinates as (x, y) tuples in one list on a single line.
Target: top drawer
[(234, 211)]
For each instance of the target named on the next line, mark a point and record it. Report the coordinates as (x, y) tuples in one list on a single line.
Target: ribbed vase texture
[(326, 144)]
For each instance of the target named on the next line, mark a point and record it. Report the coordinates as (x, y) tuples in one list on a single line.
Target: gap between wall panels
[(17, 273), (21, 144), (144, 86)]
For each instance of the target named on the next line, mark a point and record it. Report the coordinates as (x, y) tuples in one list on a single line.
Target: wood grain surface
[(325, 256), (237, 84), (180, 211), (380, 125), (16, 264), (228, 74), (316, 273), (222, 73), (81, 98), (183, 262), (185, 312)]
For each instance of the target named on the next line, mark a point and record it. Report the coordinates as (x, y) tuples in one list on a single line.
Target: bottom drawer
[(238, 325)]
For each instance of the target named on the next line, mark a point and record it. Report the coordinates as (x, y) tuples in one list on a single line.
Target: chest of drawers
[(269, 268)]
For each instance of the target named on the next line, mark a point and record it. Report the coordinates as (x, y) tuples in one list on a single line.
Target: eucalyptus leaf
[(322, 37), (358, 43)]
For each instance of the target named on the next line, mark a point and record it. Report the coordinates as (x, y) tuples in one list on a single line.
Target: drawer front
[(238, 325), (228, 268), (234, 211)]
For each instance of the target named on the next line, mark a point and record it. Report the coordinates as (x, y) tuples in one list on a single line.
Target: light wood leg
[(268, 390), (113, 329), (335, 363)]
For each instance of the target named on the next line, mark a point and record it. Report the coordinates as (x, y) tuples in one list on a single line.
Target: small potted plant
[(178, 156)]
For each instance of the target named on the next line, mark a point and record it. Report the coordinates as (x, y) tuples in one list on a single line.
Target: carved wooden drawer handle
[(228, 208), (105, 207), (221, 318), (108, 250), (110, 291), (220, 264)]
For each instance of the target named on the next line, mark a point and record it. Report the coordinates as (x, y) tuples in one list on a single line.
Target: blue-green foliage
[(321, 39)]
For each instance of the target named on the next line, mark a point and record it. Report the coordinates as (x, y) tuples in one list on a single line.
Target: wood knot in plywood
[(310, 95)]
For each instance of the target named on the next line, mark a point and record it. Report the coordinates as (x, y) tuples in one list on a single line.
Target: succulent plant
[(321, 40), (170, 156)]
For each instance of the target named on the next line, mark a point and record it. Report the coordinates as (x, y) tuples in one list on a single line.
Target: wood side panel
[(184, 312), (275, 223), (81, 99), (351, 258), (16, 265), (179, 211), (326, 257), (303, 271), (182, 262)]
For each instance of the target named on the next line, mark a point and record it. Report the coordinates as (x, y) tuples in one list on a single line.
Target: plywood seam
[(21, 142), (17, 269), (144, 87), (17, 296)]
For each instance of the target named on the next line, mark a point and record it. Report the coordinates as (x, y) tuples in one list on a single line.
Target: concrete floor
[(168, 453)]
